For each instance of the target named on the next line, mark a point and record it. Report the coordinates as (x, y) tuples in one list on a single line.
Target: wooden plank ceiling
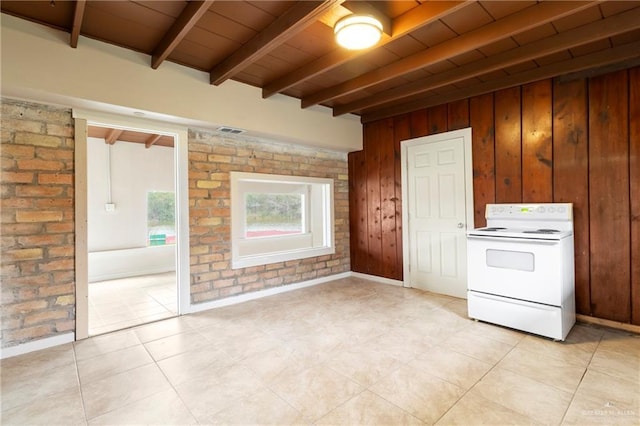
[(432, 52)]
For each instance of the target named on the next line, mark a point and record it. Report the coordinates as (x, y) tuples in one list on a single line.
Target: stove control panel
[(530, 211)]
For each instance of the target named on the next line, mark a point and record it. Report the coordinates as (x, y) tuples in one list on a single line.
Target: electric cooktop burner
[(497, 228), (542, 231)]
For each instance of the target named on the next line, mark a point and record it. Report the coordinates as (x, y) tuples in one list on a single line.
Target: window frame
[(318, 238)]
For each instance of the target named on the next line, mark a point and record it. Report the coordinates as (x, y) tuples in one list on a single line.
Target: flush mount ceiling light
[(357, 31)]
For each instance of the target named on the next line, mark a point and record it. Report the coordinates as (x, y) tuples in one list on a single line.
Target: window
[(275, 218), (161, 218)]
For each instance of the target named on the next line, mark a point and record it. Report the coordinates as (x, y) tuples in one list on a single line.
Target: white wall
[(117, 240), (135, 170), (39, 65)]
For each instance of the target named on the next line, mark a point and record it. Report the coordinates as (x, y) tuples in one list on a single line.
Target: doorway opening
[(131, 228), (132, 222)]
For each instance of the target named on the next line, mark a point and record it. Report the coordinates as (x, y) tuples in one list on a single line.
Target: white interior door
[(437, 208)]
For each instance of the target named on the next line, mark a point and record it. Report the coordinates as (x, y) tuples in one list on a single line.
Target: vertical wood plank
[(508, 146), (374, 218), (571, 175), (353, 207), (390, 268), (634, 189), (419, 123), (458, 115), (609, 197), (483, 155), (537, 158), (401, 131), (437, 119), (358, 217)]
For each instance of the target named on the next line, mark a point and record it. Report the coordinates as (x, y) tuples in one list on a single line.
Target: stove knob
[(560, 209), (540, 209), (551, 210)]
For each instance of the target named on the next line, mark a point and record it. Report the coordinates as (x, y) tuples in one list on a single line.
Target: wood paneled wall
[(561, 140)]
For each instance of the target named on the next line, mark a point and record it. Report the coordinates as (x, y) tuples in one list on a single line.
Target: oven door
[(525, 269)]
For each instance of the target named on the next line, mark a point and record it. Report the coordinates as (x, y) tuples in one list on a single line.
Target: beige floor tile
[(368, 408), (620, 342), (271, 364), (261, 408), (571, 353), (543, 403), (101, 345), (213, 393), (456, 368), (473, 409), (544, 369), (175, 345), (363, 363), (482, 348), (267, 361), (158, 330), (403, 342), (42, 361), (112, 363), (624, 365), (122, 389), (195, 364), (17, 390), (315, 391), (163, 408), (602, 398), (495, 332), (423, 395), (63, 408)]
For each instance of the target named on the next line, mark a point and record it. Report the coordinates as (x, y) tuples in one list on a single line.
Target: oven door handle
[(514, 240)]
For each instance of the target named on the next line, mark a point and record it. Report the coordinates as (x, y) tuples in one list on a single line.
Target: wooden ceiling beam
[(78, 15), (608, 27), (515, 23), (112, 136), (151, 140), (292, 21), (190, 15), (400, 26), (601, 58)]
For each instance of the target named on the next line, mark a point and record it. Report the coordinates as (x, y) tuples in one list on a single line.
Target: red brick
[(26, 334), (38, 191), (17, 151), (40, 240), (17, 177), (55, 178), (37, 164), (57, 265), (45, 316), (65, 325), (24, 307), (38, 216)]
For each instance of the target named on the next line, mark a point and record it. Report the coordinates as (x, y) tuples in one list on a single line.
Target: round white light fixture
[(357, 31)]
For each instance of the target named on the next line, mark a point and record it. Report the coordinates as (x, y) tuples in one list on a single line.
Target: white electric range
[(521, 268)]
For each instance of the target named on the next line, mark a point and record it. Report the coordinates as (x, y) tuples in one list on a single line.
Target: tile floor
[(346, 352), (122, 303)]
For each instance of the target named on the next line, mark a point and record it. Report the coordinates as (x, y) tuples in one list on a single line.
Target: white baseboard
[(36, 345), (377, 279), (199, 307)]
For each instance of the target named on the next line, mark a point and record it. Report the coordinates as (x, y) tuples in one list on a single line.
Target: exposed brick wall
[(211, 158), (37, 225)]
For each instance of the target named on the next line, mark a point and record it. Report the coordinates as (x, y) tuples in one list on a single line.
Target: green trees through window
[(161, 218), (273, 214)]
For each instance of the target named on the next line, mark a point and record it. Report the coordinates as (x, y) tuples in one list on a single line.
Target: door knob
[(460, 225)]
